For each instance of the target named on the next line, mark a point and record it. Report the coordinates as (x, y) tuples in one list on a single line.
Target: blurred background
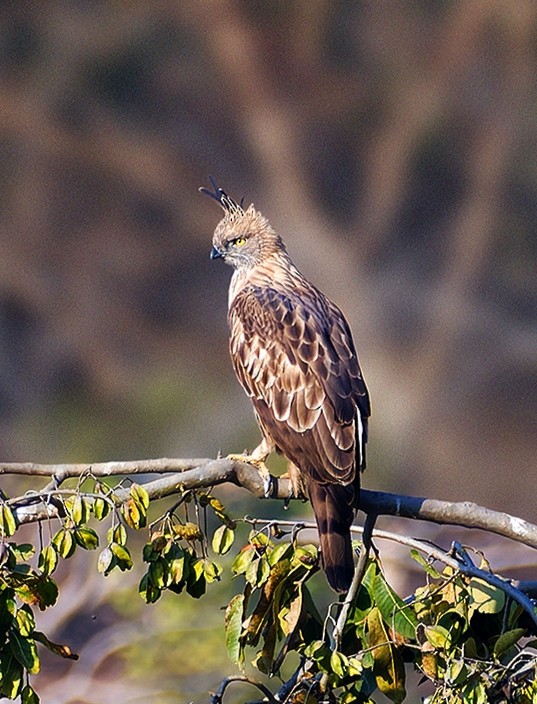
[(392, 145)]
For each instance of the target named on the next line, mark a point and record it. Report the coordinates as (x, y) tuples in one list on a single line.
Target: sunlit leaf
[(388, 667), (306, 555), (8, 523), (22, 551), (48, 559), (122, 555), (177, 569), (233, 628), (339, 663), (148, 591), (87, 538), (64, 542), (280, 552), (427, 566), (101, 508), (212, 571), (398, 615), (140, 495), (117, 534), (24, 649), (11, 681), (196, 583), (188, 531), (47, 592), (484, 597), (243, 560), (438, 636), (133, 514), (223, 539), (25, 621), (78, 509)]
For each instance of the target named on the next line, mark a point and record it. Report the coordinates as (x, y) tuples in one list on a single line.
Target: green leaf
[(117, 534), (399, 616), (280, 552), (8, 523), (101, 508), (438, 636), (24, 649), (78, 509), (149, 593), (212, 571), (47, 592), (243, 560), (306, 555), (507, 640), (122, 555), (418, 557), (25, 621), (87, 538), (339, 663), (11, 681), (258, 572), (48, 559), (233, 629), (64, 542), (140, 496), (388, 666), (484, 597), (29, 696), (223, 539), (158, 573), (22, 552)]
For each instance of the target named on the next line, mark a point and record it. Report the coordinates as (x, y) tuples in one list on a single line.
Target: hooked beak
[(216, 253)]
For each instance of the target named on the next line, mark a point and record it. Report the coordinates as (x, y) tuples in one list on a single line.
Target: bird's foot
[(259, 463)]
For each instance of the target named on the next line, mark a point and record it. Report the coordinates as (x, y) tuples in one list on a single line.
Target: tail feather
[(334, 506)]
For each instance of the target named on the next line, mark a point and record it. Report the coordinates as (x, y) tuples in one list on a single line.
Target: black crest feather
[(221, 197)]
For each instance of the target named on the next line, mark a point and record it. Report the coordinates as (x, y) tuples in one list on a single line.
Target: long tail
[(334, 507)]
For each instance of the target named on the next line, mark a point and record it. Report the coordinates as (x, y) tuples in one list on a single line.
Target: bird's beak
[(216, 253)]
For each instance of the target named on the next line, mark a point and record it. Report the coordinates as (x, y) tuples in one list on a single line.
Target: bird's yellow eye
[(239, 241)]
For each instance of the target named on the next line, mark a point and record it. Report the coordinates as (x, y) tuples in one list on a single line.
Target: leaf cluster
[(464, 635)]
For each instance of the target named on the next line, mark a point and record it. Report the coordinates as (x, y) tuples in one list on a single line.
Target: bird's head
[(243, 238)]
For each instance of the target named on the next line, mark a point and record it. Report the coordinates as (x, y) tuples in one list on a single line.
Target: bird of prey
[(293, 353)]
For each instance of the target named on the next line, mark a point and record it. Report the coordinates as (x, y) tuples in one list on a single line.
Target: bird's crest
[(220, 196)]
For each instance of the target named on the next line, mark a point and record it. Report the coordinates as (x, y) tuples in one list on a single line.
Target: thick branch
[(203, 473)]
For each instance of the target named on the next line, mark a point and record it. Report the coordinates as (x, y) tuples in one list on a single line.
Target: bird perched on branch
[(293, 353)]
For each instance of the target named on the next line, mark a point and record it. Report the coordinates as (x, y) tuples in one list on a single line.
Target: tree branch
[(183, 474)]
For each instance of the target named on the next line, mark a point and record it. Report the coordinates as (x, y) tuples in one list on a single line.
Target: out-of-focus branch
[(184, 474)]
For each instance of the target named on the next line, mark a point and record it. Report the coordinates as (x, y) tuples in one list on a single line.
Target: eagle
[(294, 355)]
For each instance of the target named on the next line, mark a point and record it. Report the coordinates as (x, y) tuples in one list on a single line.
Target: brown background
[(393, 145)]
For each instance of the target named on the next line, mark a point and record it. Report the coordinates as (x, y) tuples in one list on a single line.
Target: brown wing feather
[(294, 355)]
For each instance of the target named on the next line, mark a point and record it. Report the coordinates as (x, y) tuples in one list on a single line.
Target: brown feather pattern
[(293, 353)]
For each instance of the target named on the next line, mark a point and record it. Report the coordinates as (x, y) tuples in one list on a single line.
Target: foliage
[(462, 633)]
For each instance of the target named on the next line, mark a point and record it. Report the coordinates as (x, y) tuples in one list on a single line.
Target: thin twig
[(218, 696)]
